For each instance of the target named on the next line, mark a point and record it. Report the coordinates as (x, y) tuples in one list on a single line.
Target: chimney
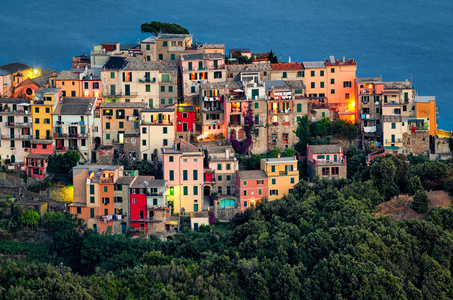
[(279, 155), (344, 59), (227, 153), (138, 41)]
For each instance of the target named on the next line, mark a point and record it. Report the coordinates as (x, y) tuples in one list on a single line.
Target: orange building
[(425, 108), (69, 82)]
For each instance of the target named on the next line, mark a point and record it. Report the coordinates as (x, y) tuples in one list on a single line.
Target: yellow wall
[(68, 87), (42, 115), (281, 177), (427, 110)]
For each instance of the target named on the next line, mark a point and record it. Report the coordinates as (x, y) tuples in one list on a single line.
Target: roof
[(185, 108), (243, 50), (164, 109), (44, 78), (272, 84), (425, 99), (78, 169), (255, 174), (4, 73), (172, 36), (115, 63), (38, 155), (295, 84), (331, 148), (199, 214), (250, 67), (369, 80), (72, 74), (147, 181), (314, 64), (15, 100), (124, 180), (137, 63), (151, 39), (47, 91), (123, 104), (185, 147), (281, 160), (213, 85), (287, 66), (128, 46), (213, 46), (75, 106), (398, 84), (15, 67), (202, 56), (47, 142)]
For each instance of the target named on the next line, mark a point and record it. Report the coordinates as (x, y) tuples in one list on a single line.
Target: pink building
[(36, 161), (183, 171), (326, 161), (251, 186)]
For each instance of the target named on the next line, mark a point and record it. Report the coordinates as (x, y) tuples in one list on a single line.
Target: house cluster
[(160, 99)]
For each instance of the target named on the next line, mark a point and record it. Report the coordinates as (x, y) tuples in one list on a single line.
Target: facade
[(282, 175), (42, 107), (183, 171), (185, 122), (14, 74), (200, 68), (212, 96), (69, 82), (198, 218), (326, 161), (370, 92), (251, 187), (36, 162), (15, 129), (94, 196), (132, 79), (157, 130), (148, 205), (73, 121)]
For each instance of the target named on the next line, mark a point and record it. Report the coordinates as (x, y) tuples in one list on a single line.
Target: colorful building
[(42, 107), (183, 171), (185, 122), (251, 187), (14, 74), (282, 175), (36, 162), (326, 161)]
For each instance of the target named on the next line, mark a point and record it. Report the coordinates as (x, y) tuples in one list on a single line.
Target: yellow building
[(42, 107), (282, 175), (425, 108)]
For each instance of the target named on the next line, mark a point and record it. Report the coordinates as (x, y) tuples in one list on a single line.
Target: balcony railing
[(273, 112), (118, 94), (161, 122), (18, 124), (417, 128), (341, 161), (146, 80), (70, 135), (219, 67), (389, 141), (15, 137)]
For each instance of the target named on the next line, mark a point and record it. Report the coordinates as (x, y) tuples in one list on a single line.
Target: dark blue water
[(395, 39)]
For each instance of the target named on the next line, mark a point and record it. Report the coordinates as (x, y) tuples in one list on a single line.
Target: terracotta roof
[(287, 66)]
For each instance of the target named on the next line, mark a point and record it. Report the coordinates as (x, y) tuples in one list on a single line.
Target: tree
[(63, 163), (244, 59), (421, 201), (29, 217), (320, 128), (144, 167), (272, 58), (156, 27), (303, 135)]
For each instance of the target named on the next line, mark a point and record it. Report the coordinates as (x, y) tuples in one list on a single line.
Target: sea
[(397, 40)]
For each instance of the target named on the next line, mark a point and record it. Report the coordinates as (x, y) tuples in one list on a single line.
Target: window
[(105, 200), (91, 189), (37, 121), (404, 107), (162, 88), (195, 207), (273, 192), (347, 84), (134, 200), (217, 75), (118, 200), (164, 44), (92, 199), (335, 170), (244, 182), (162, 101), (285, 75), (185, 190), (346, 95), (192, 89), (36, 109), (219, 190), (107, 136), (326, 171), (170, 88), (79, 210), (143, 129), (106, 211), (195, 175), (148, 88), (332, 81), (274, 181), (219, 167), (112, 74), (228, 177), (393, 125), (260, 192), (171, 158), (312, 73), (172, 56), (272, 168), (321, 84), (92, 213), (256, 105), (106, 188), (107, 125), (219, 178), (172, 191), (300, 73), (185, 175), (332, 91), (228, 190), (245, 203), (164, 130), (195, 190), (312, 85), (121, 124), (73, 94), (293, 180), (171, 175), (148, 47), (47, 110), (63, 93), (161, 57), (321, 73), (332, 70)]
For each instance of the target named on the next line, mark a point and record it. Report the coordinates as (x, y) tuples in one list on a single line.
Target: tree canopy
[(156, 27), (63, 163)]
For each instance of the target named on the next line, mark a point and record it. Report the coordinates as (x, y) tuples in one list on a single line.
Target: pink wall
[(40, 149), (252, 188), (90, 89)]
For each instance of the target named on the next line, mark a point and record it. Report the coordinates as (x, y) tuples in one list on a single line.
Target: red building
[(185, 118), (251, 187), (36, 161), (148, 206)]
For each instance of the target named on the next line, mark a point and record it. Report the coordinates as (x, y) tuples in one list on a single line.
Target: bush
[(448, 185), (204, 228), (421, 201)]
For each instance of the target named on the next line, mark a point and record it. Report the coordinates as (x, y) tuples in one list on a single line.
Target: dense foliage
[(156, 27), (63, 163), (321, 242)]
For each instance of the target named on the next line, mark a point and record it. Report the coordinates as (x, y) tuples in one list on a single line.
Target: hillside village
[(193, 111)]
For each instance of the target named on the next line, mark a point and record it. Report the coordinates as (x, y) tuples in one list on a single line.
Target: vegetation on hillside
[(156, 27)]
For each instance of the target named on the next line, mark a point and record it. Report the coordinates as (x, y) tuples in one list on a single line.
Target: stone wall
[(132, 147), (105, 156), (416, 142), (124, 205), (441, 145), (158, 227)]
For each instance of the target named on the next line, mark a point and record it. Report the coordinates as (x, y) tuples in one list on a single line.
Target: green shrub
[(421, 201)]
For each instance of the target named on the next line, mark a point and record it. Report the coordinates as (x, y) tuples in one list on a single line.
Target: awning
[(171, 223), (238, 90)]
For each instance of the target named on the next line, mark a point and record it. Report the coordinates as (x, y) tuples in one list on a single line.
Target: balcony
[(390, 141), (341, 161), (147, 80), (213, 109), (118, 94), (14, 112), (417, 128), (212, 99), (15, 137), (157, 122), (367, 91), (106, 179), (274, 112), (150, 219), (234, 124), (18, 124), (70, 135), (218, 67)]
